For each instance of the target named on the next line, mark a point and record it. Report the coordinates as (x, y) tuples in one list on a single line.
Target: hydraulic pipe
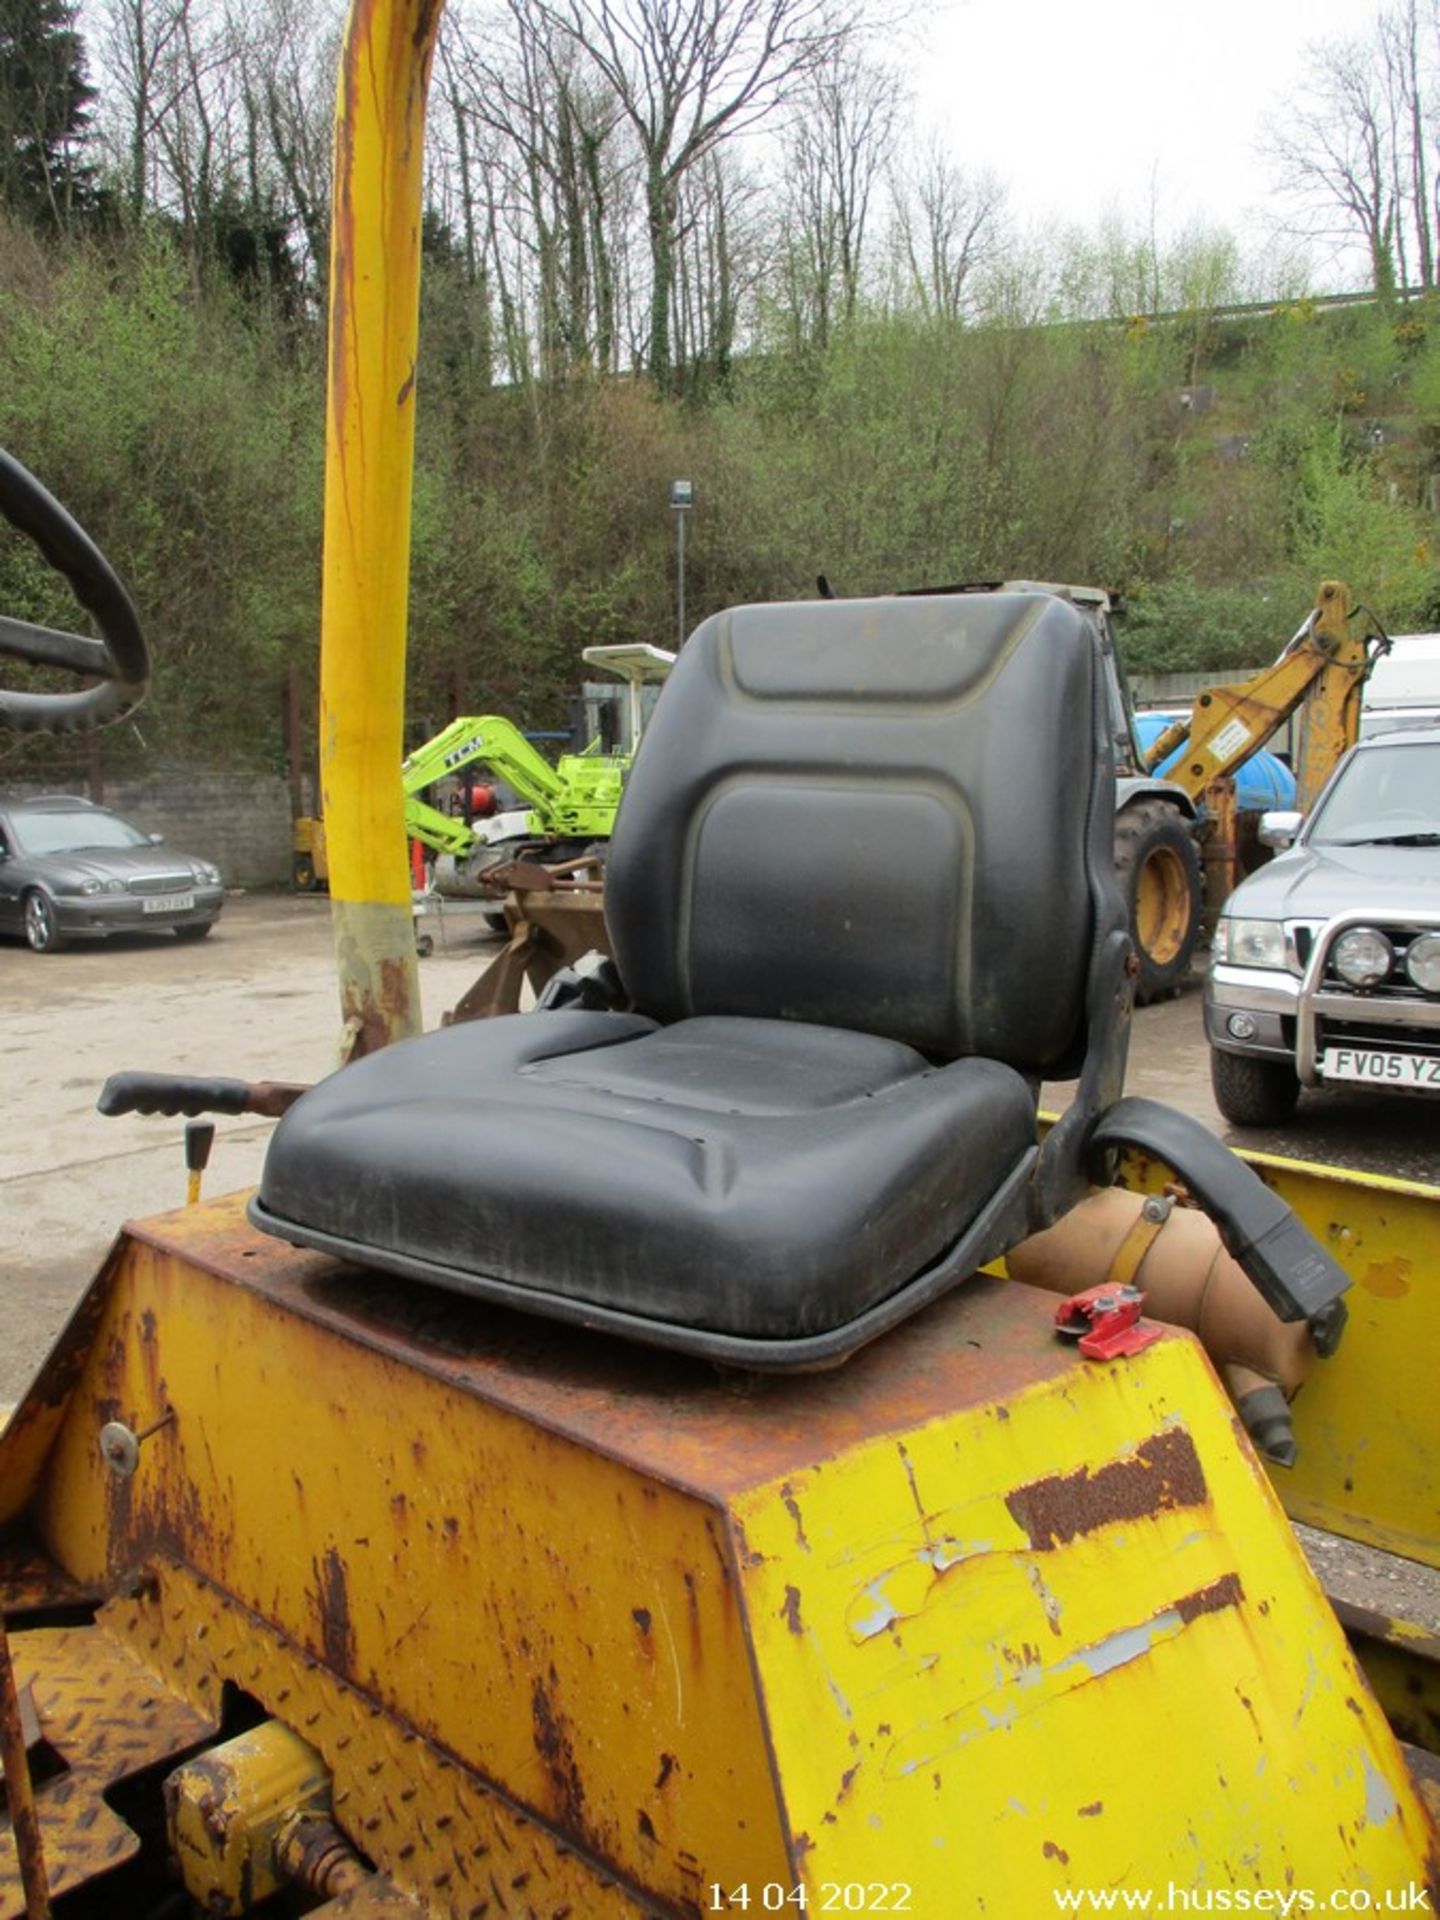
[(1189, 1280), (369, 450)]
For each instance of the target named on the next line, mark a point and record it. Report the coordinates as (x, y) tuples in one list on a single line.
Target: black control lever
[(189, 1094)]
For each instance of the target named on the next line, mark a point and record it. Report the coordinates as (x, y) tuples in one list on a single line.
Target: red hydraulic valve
[(1106, 1322)]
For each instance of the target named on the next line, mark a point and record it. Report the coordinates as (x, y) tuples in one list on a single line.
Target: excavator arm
[(1322, 670), (499, 743), (503, 748)]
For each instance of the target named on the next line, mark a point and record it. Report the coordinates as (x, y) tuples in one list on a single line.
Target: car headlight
[(1362, 957), (91, 886), (1422, 963), (116, 886), (207, 875), (1251, 943)]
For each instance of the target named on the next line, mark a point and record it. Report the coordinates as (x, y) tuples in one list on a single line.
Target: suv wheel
[(42, 929), (1253, 1093)]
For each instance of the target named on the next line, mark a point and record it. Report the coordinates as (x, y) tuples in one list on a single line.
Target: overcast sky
[(1077, 104)]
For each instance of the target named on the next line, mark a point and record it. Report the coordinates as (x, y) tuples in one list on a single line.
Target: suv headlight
[(1422, 963), (1362, 957), (1251, 943)]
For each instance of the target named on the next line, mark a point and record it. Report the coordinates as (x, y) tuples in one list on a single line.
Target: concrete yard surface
[(256, 1001)]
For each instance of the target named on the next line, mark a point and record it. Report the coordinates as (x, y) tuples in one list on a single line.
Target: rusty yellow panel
[(1065, 1641), (635, 1630), (562, 1624), (1368, 1420), (446, 1839)]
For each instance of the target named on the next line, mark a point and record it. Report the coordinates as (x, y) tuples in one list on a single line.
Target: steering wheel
[(120, 659)]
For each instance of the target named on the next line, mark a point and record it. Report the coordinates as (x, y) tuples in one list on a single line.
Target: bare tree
[(553, 129), (944, 223), (688, 74), (1335, 154), (1408, 66), (291, 56), (140, 44), (719, 262), (837, 149)]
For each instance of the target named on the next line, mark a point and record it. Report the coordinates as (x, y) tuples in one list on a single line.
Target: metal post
[(20, 1792), (682, 498), (680, 587)]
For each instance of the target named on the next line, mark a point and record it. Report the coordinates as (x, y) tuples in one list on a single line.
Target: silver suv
[(1326, 967)]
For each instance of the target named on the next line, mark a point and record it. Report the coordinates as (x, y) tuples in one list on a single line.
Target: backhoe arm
[(502, 747), (1323, 668)]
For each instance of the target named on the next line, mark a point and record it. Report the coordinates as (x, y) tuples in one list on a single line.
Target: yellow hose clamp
[(1131, 1252)]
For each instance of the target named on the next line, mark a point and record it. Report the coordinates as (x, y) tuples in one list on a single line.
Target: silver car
[(70, 870), (1326, 966)]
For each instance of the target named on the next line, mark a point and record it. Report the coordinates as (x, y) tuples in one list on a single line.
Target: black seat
[(861, 898)]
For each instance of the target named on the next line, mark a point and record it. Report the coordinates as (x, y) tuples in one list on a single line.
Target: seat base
[(1000, 1224)]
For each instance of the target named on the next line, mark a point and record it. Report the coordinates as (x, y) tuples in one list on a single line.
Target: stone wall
[(241, 821)]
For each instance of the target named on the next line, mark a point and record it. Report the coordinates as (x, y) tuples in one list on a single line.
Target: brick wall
[(241, 821)]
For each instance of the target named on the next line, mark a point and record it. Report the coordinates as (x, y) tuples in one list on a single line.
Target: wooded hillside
[(836, 334)]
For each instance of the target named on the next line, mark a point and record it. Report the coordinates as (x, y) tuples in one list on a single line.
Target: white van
[(1404, 686)]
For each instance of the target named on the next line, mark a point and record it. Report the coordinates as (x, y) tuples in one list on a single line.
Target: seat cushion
[(760, 1178)]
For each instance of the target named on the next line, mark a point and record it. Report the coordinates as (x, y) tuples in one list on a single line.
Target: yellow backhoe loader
[(608, 1466)]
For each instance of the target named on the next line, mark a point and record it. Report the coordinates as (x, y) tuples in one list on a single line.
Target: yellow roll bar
[(369, 452)]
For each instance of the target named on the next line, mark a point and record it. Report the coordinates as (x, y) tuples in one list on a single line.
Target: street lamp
[(682, 499)]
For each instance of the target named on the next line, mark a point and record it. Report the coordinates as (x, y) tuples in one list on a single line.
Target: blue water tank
[(1263, 783)]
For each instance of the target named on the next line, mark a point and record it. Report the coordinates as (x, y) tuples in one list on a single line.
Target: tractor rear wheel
[(1158, 866)]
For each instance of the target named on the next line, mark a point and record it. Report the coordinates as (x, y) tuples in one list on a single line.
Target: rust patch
[(642, 1618), (1224, 1592), (1052, 1852), (790, 1612), (792, 1507), (337, 1633), (646, 1825), (909, 1466), (1162, 1474), (374, 1021), (1089, 1813), (553, 1744), (668, 1764)]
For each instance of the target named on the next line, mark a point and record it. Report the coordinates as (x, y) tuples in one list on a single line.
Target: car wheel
[(1253, 1093), (42, 928), (196, 932)]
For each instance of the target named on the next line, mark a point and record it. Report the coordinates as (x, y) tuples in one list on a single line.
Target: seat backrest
[(874, 814)]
